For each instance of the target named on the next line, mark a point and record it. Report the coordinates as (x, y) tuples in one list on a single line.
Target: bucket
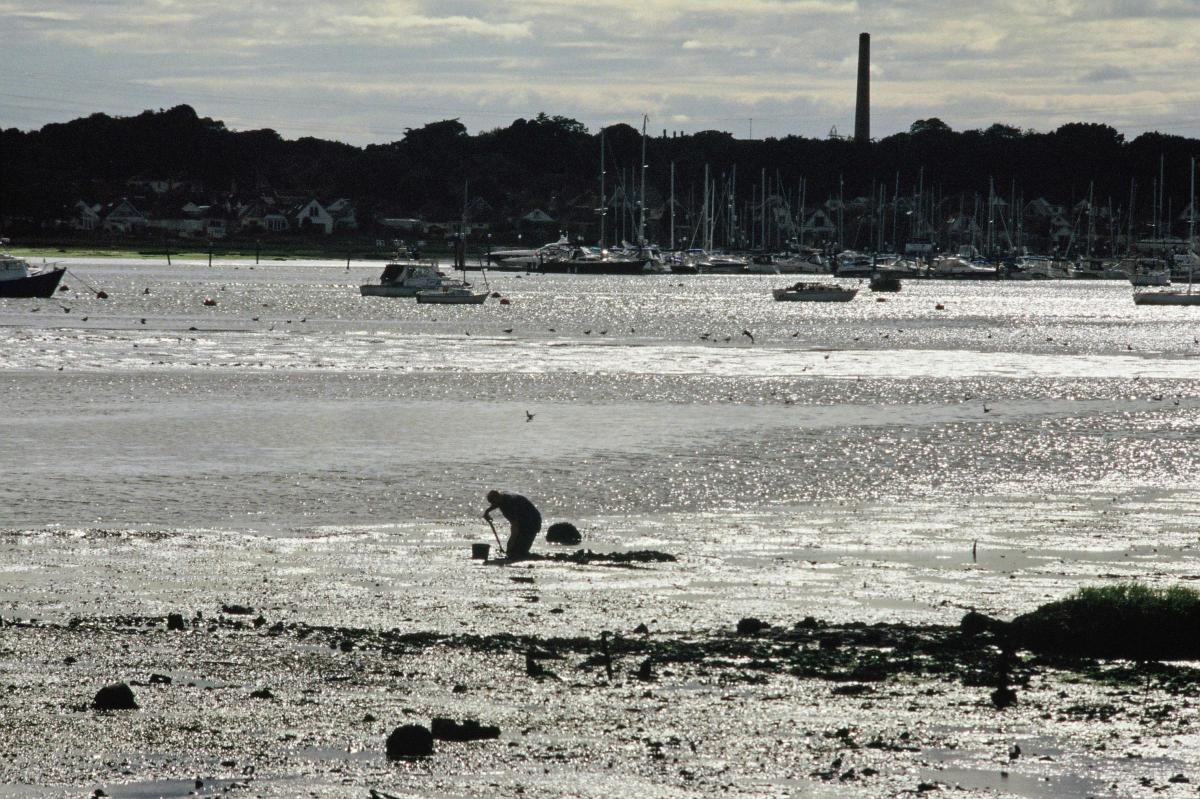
[(480, 551)]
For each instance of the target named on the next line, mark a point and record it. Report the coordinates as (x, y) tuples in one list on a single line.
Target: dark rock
[(175, 621), (1179, 778), (368, 718), (641, 629), (444, 729), (808, 623), (563, 533), (410, 740), (259, 621), (974, 624), (646, 671), (117, 696), (160, 679), (853, 689), (346, 645), (70, 660), (751, 626), (262, 693), (237, 610)]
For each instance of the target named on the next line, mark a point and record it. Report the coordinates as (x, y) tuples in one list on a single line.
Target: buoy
[(495, 295), (64, 287), (102, 295), (209, 301), (939, 307), (881, 299), (504, 301)]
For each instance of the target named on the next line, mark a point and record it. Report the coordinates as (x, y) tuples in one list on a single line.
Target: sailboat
[(1176, 296)]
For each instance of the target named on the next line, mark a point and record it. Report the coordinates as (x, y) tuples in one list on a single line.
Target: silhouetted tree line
[(552, 162)]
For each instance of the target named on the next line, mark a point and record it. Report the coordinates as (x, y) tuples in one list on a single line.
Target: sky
[(362, 71)]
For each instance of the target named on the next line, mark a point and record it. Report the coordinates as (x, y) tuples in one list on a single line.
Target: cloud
[(1101, 74)]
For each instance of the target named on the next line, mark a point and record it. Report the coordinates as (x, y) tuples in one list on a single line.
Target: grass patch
[(1120, 621)]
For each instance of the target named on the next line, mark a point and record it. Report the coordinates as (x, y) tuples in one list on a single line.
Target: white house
[(86, 217), (313, 215), (123, 217), (818, 225), (342, 212)]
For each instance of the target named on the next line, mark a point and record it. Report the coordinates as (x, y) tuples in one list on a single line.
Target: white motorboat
[(1041, 267), (528, 257), (966, 265), (803, 264), (405, 278), (814, 292), (719, 264), (854, 264), (452, 295), (18, 280)]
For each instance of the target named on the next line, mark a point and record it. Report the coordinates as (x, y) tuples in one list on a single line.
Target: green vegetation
[(1120, 621)]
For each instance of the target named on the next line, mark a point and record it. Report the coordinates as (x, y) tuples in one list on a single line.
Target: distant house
[(342, 212), (818, 226), (261, 216), (123, 217), (85, 216), (962, 227), (313, 215), (537, 217)]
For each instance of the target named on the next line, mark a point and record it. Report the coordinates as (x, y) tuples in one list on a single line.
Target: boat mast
[(672, 206), (603, 200), (642, 202), (1192, 226), (1091, 189)]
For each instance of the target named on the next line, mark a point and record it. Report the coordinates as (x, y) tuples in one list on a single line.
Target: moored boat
[(405, 278), (18, 280), (1167, 297), (452, 295), (814, 292), (885, 280)]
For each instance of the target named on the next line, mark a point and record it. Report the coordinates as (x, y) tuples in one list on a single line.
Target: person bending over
[(523, 517)]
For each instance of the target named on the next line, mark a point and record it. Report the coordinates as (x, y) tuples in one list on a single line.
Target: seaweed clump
[(1128, 621)]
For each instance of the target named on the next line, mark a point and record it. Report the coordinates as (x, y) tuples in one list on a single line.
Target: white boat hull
[(1166, 298), (829, 294)]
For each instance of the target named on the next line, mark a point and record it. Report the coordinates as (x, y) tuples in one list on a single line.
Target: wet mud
[(241, 704)]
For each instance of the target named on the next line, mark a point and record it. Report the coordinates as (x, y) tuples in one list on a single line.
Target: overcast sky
[(364, 70)]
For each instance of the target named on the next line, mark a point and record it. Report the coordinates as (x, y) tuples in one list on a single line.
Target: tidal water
[(837, 460)]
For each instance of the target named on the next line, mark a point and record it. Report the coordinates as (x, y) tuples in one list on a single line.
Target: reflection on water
[(868, 443)]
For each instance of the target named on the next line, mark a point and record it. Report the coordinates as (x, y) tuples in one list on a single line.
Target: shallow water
[(324, 456)]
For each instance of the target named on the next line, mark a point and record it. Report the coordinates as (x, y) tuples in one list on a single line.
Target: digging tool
[(498, 544)]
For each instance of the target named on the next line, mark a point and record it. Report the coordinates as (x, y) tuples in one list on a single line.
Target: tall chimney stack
[(862, 110)]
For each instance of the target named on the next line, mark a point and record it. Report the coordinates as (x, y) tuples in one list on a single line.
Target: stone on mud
[(751, 626), (563, 533), (409, 740), (117, 696), (175, 621)]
